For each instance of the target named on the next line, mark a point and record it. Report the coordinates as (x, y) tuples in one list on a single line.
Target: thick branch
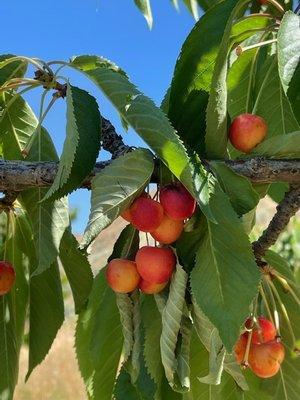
[(285, 210), (21, 175)]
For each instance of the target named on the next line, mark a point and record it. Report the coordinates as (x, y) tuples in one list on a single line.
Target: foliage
[(177, 344)]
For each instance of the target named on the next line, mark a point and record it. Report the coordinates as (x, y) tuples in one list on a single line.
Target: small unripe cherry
[(240, 348), (122, 275), (168, 231), (151, 288), (7, 277), (155, 264), (247, 131), (265, 359), (177, 202), (146, 214), (264, 332)]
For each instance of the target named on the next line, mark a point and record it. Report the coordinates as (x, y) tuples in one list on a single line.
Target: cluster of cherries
[(7, 277), (265, 351), (164, 220)]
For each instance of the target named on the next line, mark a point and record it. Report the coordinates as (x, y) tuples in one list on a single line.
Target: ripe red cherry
[(265, 359), (264, 333), (240, 348), (155, 264), (7, 277), (122, 275), (151, 288), (146, 214), (247, 131), (168, 231), (177, 202)]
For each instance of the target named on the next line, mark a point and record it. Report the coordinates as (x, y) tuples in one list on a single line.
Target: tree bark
[(21, 175)]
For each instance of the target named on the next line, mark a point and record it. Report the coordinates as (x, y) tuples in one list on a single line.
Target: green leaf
[(17, 124), (49, 220), (216, 114), (149, 122), (137, 343), (171, 322), (192, 5), (46, 313), (124, 389), (280, 146), (152, 324), (15, 69), (114, 189), (204, 329), (240, 83), (271, 102), (288, 42), (77, 269), (13, 307), (193, 74), (145, 7), (216, 360), (99, 345), (82, 143), (227, 390), (225, 279), (188, 243), (125, 308), (238, 188), (183, 353)]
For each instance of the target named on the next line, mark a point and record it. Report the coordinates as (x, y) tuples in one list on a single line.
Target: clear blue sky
[(52, 29)]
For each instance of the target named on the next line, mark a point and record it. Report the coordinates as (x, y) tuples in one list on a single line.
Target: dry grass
[(57, 378)]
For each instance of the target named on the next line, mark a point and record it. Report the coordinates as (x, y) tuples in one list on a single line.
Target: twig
[(285, 210)]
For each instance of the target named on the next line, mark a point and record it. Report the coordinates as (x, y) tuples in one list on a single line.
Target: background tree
[(240, 58)]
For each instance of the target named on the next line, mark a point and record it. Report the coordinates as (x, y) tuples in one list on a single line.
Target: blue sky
[(112, 28)]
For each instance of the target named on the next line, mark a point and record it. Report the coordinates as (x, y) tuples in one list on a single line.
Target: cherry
[(240, 348), (168, 231), (155, 264), (265, 359), (151, 288), (7, 277), (122, 275), (247, 131), (177, 202), (265, 331), (146, 214)]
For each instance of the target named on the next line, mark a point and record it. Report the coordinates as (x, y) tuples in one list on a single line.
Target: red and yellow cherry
[(264, 332), (122, 275), (247, 131), (151, 288), (7, 277), (155, 264), (240, 348), (168, 231), (127, 215), (265, 359), (177, 202), (146, 214)]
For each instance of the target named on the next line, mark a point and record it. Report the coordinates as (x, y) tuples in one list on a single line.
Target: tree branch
[(284, 211), (21, 175)]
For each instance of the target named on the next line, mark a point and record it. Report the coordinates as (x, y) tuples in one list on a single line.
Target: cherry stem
[(264, 297), (284, 311), (277, 5), (239, 49), (268, 286)]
